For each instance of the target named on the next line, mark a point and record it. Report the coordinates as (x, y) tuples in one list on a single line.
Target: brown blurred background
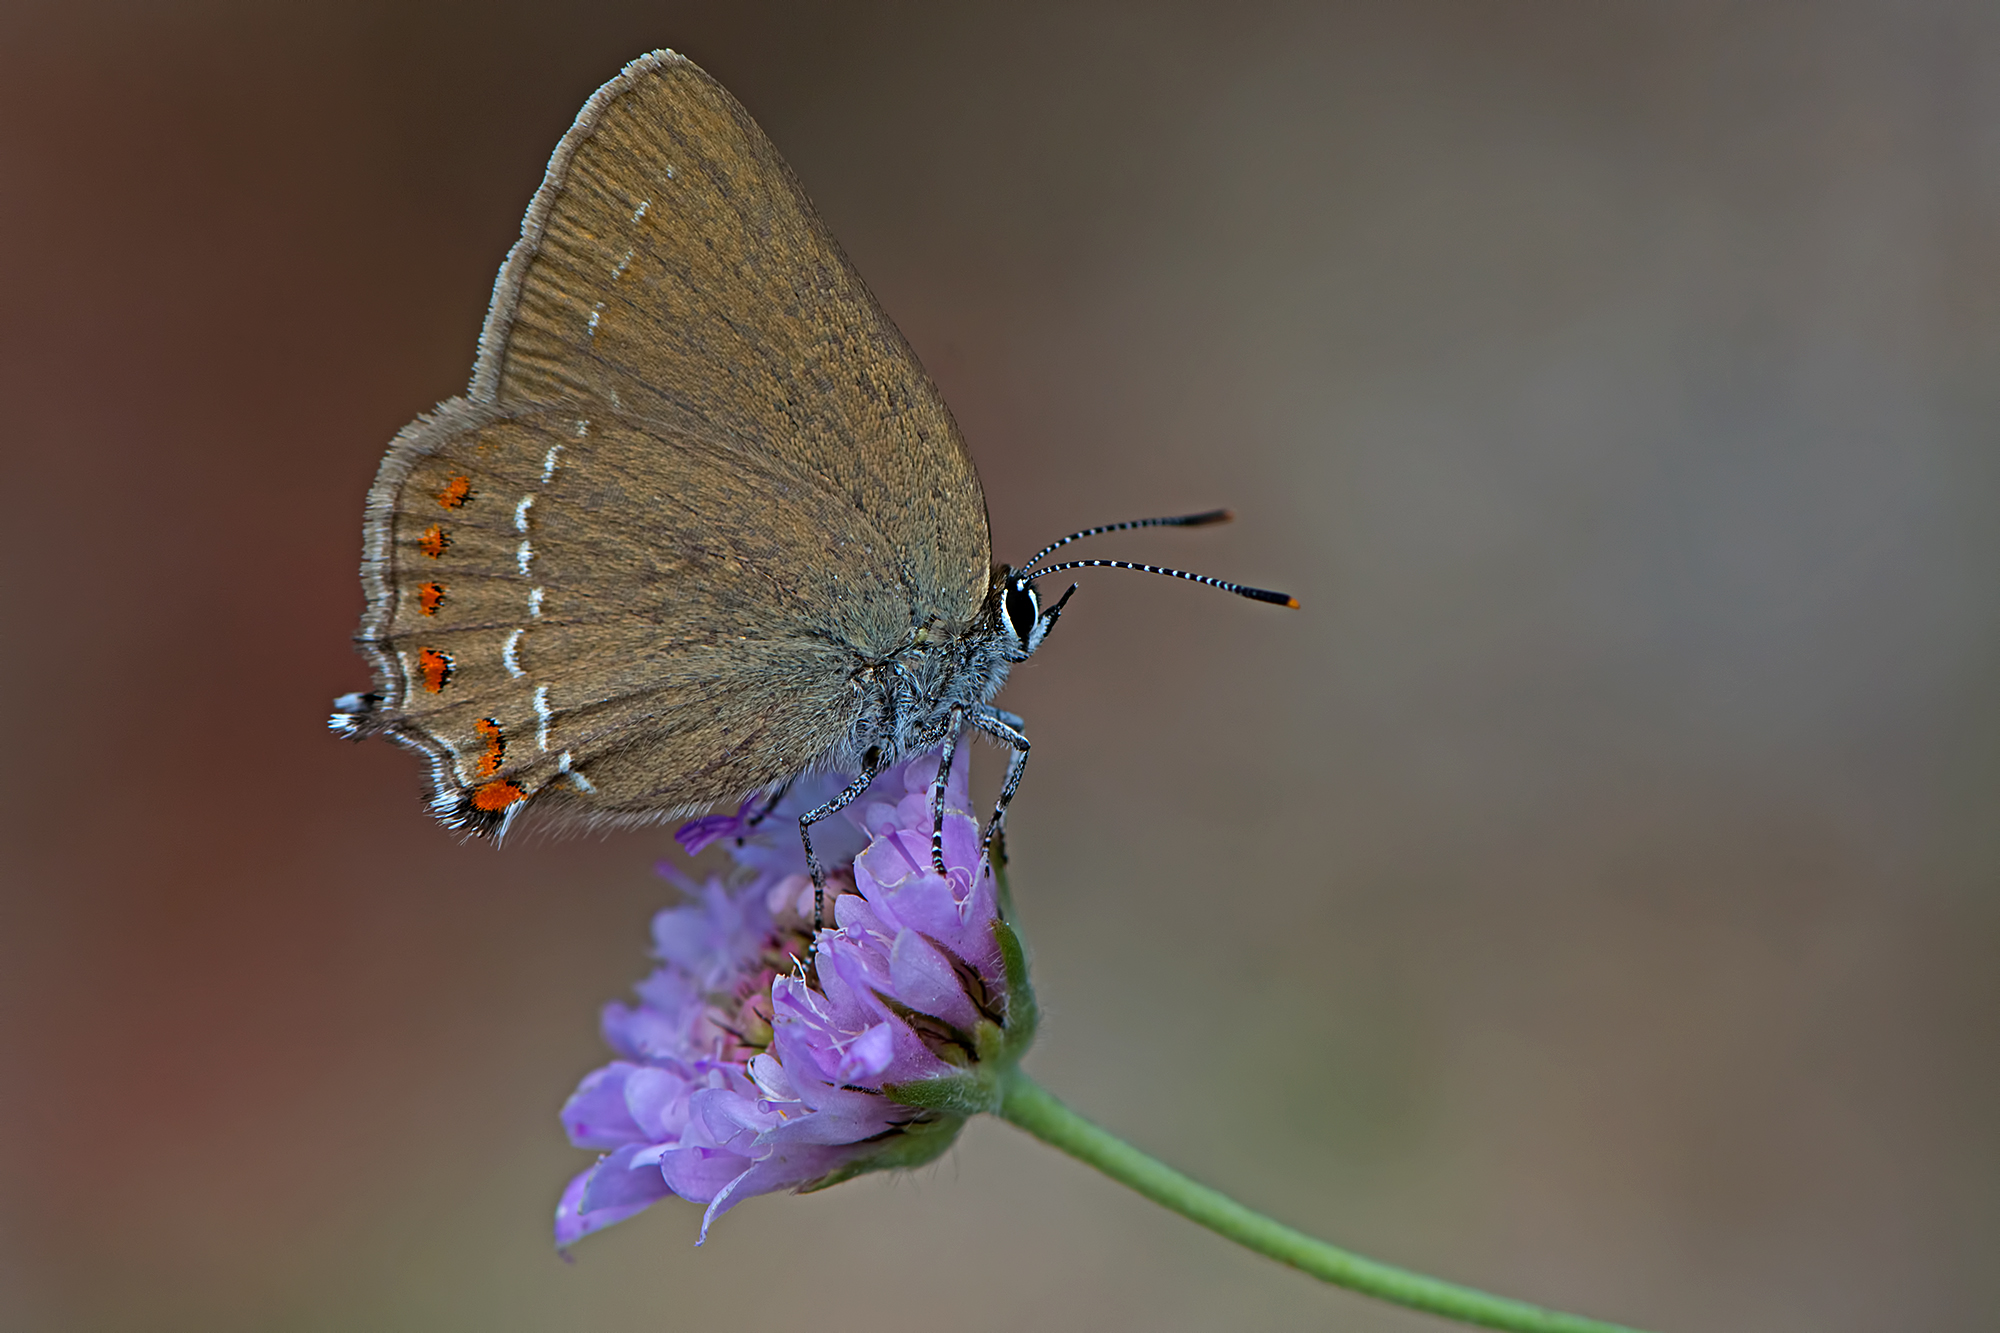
[(1589, 894)]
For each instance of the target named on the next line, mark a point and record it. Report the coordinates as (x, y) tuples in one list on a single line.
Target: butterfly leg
[(769, 806), (845, 798), (937, 790), (1004, 727)]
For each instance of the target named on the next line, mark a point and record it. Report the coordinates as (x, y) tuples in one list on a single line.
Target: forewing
[(589, 616), (671, 270)]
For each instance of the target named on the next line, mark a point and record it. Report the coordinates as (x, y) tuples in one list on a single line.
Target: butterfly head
[(1026, 621)]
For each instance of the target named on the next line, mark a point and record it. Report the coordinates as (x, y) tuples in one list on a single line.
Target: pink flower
[(743, 1071)]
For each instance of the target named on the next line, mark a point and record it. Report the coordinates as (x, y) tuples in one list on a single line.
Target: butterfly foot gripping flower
[(744, 1069)]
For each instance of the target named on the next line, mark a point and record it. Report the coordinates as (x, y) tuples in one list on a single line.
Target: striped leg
[(1006, 728), (770, 805), (840, 802), (949, 752)]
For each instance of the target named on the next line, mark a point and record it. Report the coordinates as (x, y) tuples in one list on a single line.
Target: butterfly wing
[(699, 482), (671, 269), (621, 620)]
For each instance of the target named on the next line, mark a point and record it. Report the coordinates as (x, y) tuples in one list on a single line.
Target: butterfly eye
[(1024, 609)]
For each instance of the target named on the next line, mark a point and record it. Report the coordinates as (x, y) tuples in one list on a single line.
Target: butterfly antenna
[(1254, 594), (1200, 520)]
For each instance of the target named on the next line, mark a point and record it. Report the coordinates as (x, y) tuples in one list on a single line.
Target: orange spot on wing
[(496, 795), (436, 667), (496, 746), (434, 540), (455, 493), (430, 596)]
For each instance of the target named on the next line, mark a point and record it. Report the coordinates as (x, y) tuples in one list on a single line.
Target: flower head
[(743, 1069)]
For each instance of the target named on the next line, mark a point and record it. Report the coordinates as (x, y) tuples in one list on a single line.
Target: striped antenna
[(1254, 594), (1202, 519)]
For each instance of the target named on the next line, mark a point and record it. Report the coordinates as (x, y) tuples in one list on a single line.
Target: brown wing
[(670, 268), (620, 621), (699, 480)]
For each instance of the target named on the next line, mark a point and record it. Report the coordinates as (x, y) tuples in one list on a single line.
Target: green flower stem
[(1030, 1107)]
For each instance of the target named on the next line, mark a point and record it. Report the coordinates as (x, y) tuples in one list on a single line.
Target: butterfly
[(701, 524)]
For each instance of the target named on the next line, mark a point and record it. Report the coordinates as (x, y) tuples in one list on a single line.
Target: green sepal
[(974, 1093), (916, 1144), (1022, 1012), (1003, 891)]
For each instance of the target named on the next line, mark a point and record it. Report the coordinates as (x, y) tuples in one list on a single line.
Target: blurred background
[(1590, 894)]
